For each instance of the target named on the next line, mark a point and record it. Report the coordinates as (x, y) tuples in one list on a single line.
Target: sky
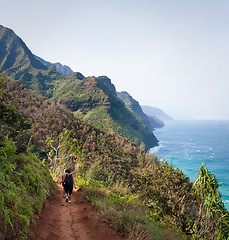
[(169, 54)]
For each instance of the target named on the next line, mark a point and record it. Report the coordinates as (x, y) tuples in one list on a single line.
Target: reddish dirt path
[(71, 221)]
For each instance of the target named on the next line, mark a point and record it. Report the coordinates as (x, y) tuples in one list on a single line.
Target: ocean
[(188, 144)]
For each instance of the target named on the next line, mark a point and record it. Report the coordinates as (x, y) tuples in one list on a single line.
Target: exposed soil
[(71, 221)]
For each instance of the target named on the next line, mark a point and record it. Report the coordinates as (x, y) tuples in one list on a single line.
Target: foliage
[(64, 152), (213, 219), (25, 183), (122, 211), (167, 192)]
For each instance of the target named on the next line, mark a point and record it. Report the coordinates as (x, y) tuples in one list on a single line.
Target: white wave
[(154, 150)]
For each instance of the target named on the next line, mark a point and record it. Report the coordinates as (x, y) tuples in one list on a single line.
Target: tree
[(64, 150), (213, 218)]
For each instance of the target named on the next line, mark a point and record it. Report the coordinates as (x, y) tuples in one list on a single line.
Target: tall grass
[(124, 212)]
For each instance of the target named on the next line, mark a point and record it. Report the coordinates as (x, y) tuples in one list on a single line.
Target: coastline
[(186, 144)]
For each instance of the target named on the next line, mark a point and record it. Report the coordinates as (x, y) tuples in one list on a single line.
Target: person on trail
[(68, 184), (62, 182)]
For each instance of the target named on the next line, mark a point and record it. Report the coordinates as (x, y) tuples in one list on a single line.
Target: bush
[(25, 183)]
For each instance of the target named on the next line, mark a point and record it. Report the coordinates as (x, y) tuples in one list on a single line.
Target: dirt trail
[(71, 221)]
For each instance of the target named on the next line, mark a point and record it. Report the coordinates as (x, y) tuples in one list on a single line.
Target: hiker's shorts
[(68, 188)]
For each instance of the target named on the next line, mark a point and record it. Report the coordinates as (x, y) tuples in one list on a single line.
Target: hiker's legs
[(66, 189), (70, 192), (67, 195), (69, 198), (70, 189)]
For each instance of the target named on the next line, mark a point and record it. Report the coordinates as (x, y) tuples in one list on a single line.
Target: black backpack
[(68, 179)]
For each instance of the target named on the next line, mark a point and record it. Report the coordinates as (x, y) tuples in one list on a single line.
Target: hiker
[(62, 182), (68, 184)]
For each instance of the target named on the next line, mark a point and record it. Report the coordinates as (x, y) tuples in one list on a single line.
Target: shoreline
[(186, 144)]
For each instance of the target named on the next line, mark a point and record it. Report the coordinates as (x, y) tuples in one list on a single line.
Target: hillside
[(135, 192), (134, 106), (95, 100), (25, 182), (44, 118), (104, 159), (91, 98)]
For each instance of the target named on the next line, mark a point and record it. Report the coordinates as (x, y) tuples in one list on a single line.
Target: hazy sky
[(170, 54)]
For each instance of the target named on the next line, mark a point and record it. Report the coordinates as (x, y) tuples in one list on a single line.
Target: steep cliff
[(134, 106)]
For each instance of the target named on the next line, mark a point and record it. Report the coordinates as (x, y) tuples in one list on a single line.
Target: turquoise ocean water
[(186, 144)]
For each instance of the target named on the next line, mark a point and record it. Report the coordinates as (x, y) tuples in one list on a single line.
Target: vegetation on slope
[(25, 182), (163, 195), (118, 173), (95, 100), (46, 118)]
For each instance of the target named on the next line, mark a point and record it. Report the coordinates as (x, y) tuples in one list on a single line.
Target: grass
[(123, 212)]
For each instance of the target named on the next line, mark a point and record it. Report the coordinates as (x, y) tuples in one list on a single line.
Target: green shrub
[(25, 183)]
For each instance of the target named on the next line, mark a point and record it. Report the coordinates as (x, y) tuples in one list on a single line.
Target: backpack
[(68, 179)]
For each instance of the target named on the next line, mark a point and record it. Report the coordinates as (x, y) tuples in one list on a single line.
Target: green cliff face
[(92, 98), (95, 100), (133, 106), (15, 57)]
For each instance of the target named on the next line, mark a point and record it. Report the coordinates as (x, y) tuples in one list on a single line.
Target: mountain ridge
[(62, 69), (14, 54), (91, 98)]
